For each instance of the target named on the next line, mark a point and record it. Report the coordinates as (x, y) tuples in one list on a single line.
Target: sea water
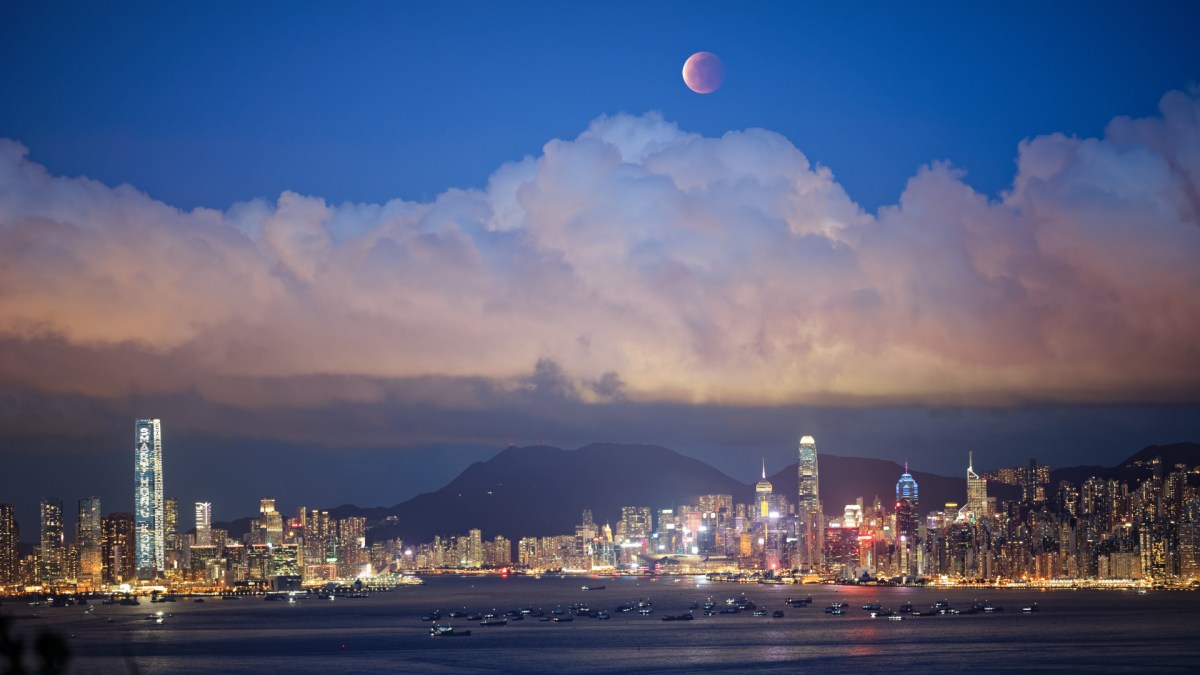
[(1098, 631)]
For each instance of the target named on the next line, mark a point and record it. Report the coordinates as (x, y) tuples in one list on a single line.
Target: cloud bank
[(635, 263)]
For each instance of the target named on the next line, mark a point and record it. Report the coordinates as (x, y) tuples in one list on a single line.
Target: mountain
[(1137, 466), (542, 490)]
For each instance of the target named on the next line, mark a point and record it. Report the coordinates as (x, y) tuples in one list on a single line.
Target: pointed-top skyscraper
[(976, 507), (808, 506)]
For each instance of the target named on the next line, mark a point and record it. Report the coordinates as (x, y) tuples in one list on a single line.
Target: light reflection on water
[(1097, 630)]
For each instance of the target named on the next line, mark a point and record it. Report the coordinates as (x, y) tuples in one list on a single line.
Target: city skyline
[(404, 237), (1097, 531)]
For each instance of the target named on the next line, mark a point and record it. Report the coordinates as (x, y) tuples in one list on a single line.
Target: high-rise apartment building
[(10, 536), (810, 526), (53, 541), (204, 524), (118, 548), (87, 538), (171, 523), (148, 509)]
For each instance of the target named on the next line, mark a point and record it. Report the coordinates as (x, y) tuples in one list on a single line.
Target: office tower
[(149, 516), (271, 522), (53, 541), (171, 523), (118, 548), (976, 506), (907, 521), (204, 524), (10, 536), (762, 494), (87, 537), (810, 527)]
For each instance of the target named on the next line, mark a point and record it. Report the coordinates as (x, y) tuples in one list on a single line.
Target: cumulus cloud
[(636, 262)]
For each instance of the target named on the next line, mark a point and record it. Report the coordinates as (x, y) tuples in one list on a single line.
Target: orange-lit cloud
[(636, 262)]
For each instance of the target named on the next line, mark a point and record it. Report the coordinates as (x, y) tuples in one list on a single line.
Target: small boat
[(562, 619), (678, 617), (1029, 609), (447, 631), (895, 617), (872, 607), (760, 612), (432, 616), (593, 588), (777, 614), (198, 600), (497, 621)]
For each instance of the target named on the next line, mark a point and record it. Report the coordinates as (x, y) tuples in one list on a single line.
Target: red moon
[(703, 72)]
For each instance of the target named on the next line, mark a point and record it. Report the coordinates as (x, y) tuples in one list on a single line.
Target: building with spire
[(762, 494), (976, 508)]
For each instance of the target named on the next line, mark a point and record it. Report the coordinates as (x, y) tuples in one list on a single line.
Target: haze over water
[(1109, 631)]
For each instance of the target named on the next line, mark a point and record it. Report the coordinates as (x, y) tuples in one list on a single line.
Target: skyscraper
[(10, 534), (204, 524), (149, 512), (976, 507), (762, 494), (808, 506), (53, 540), (118, 548), (907, 521), (87, 537)]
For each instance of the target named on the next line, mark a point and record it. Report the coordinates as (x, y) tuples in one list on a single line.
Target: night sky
[(344, 253)]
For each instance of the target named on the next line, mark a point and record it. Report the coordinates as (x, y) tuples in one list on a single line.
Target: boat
[(498, 621), (593, 588), (562, 619), (760, 612), (129, 601), (447, 631), (895, 617), (678, 617), (872, 607), (1029, 609), (432, 616), (777, 614)]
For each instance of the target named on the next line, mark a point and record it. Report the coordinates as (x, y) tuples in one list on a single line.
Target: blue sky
[(419, 232), (209, 104)]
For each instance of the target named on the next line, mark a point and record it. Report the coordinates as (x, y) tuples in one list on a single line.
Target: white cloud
[(639, 261)]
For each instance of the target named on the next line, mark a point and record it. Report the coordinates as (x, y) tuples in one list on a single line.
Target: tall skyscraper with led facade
[(808, 507), (148, 510)]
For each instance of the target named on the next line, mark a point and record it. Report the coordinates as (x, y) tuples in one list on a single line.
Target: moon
[(703, 72)]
